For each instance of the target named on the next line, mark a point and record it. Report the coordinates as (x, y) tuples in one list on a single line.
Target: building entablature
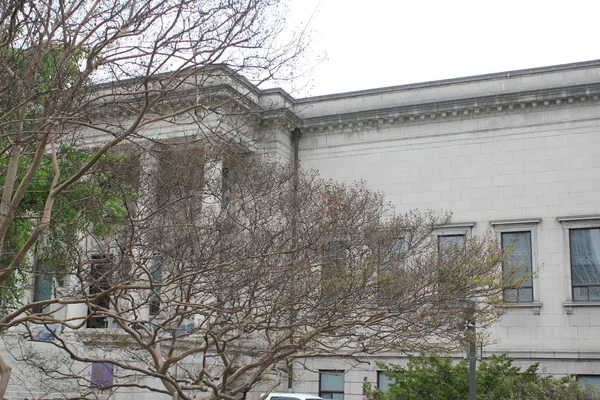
[(515, 102), (452, 89), (531, 90), (515, 92)]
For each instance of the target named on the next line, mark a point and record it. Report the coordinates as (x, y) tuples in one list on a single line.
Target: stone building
[(517, 153)]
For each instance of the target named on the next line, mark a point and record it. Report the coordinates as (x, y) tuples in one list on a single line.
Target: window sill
[(569, 305), (535, 306)]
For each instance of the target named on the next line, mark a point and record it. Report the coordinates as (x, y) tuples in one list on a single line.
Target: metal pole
[(472, 359), (290, 371)]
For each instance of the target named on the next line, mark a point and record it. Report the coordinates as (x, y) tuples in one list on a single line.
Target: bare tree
[(223, 276), (205, 267), (106, 70)]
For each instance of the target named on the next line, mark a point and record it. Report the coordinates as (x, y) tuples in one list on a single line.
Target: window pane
[(331, 395), (43, 287), (393, 256), (585, 256), (511, 295), (332, 381), (526, 295), (593, 380), (337, 255), (448, 244), (156, 270), (451, 241), (580, 293), (519, 261), (594, 293), (518, 266), (383, 382)]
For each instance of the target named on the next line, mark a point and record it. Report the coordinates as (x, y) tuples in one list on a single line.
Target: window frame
[(582, 379), (530, 272), (517, 226), (573, 286), (454, 229), (568, 223), (156, 274), (39, 278), (397, 246), (438, 237), (335, 372), (97, 262)]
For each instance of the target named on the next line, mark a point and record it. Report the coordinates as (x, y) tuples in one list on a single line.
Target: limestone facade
[(509, 152)]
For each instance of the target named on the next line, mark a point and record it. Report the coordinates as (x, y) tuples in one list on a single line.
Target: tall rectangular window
[(450, 248), (447, 244), (43, 284), (331, 385), (585, 263), (393, 255), (156, 271), (518, 266), (100, 272), (334, 262)]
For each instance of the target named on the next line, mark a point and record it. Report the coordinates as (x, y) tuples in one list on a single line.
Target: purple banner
[(102, 375)]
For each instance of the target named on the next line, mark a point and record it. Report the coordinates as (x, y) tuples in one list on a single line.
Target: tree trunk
[(4, 377)]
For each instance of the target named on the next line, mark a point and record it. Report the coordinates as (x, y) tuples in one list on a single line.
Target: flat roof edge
[(466, 79)]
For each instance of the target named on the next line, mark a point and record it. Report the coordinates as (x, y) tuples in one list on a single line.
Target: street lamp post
[(471, 333)]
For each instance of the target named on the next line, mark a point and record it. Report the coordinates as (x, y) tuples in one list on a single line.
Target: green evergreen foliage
[(438, 378), (94, 204)]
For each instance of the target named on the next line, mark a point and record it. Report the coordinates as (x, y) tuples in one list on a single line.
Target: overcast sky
[(374, 43)]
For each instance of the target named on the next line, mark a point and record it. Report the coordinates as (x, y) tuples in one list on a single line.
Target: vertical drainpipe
[(296, 163), (296, 168)]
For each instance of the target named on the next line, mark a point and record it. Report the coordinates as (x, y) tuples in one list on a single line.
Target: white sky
[(374, 43)]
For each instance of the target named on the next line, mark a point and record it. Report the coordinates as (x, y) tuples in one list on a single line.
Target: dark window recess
[(154, 304), (156, 270), (43, 285), (334, 263), (450, 249), (225, 188), (585, 263), (518, 267), (331, 385), (102, 375), (100, 271)]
